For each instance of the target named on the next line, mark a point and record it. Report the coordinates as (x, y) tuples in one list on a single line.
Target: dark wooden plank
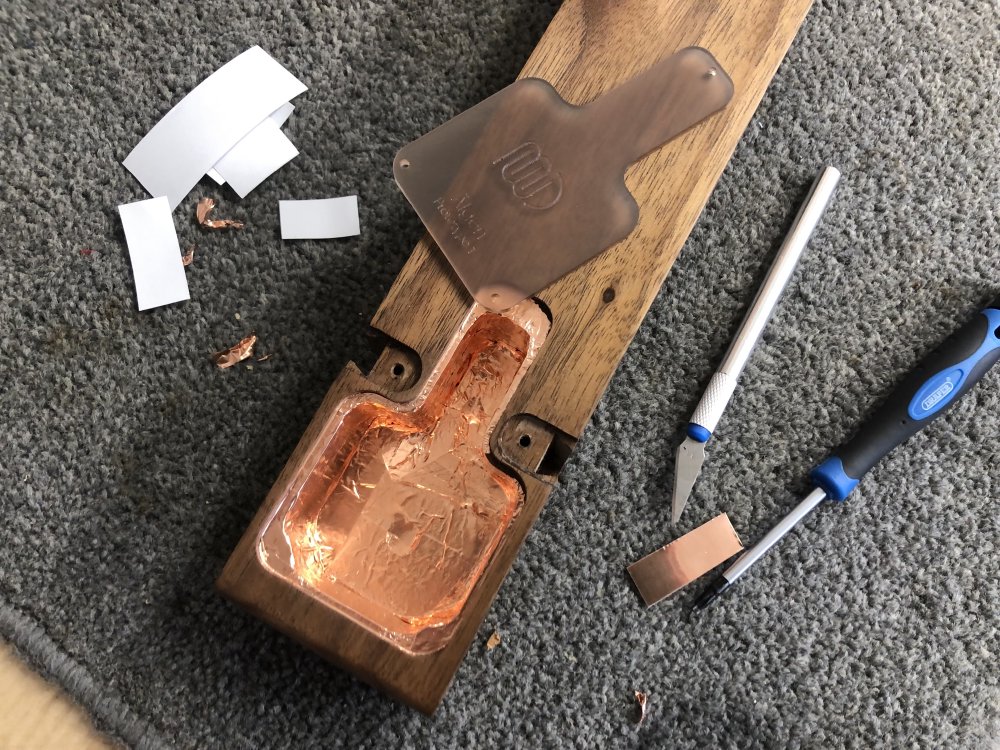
[(589, 48)]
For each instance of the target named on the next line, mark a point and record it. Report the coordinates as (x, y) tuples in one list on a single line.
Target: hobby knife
[(691, 453)]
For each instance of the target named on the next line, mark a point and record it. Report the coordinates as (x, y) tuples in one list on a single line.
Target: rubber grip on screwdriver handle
[(936, 384)]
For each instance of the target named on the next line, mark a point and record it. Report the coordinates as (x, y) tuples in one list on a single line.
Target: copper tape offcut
[(671, 568)]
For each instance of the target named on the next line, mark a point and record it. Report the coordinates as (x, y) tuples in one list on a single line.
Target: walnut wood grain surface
[(589, 48)]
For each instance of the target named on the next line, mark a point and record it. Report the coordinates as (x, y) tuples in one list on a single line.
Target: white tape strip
[(154, 252), (278, 117), (282, 113), (320, 219), (251, 161), (209, 121)]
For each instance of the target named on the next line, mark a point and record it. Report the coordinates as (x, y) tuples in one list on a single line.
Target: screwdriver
[(935, 385)]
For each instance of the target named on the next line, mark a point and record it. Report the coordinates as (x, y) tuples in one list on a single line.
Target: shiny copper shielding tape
[(670, 568), (396, 512)]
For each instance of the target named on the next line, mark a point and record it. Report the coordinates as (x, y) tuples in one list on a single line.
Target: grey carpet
[(130, 465)]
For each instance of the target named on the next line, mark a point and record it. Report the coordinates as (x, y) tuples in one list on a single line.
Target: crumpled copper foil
[(493, 641), (643, 700), (188, 258), (235, 354), (395, 516), (204, 208)]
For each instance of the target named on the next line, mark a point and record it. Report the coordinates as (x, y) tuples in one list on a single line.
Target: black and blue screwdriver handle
[(936, 384), (926, 393)]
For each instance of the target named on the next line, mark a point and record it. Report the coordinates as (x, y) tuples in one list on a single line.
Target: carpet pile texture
[(130, 465)]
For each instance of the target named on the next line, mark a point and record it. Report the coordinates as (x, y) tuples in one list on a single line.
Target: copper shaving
[(204, 208), (264, 358), (236, 354), (641, 699), (188, 258), (493, 641)]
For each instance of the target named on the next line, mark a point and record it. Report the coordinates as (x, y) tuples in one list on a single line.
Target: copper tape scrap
[(236, 353), (642, 701), (204, 208), (671, 568)]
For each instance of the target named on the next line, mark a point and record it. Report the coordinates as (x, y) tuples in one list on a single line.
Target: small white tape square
[(319, 219), (263, 151)]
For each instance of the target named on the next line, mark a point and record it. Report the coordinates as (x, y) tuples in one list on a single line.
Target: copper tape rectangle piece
[(671, 568)]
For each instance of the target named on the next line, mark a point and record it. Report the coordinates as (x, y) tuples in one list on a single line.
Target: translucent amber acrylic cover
[(523, 187), (397, 510)]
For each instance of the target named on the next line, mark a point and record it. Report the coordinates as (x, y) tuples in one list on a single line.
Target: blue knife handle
[(937, 383)]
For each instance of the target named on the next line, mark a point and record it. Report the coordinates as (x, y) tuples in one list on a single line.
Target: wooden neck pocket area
[(391, 528)]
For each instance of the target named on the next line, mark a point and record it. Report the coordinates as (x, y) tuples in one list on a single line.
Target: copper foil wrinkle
[(397, 512)]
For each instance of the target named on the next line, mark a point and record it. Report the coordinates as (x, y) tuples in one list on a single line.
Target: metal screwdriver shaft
[(930, 389), (752, 555)]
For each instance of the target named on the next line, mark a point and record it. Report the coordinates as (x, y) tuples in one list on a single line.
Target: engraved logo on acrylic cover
[(530, 176)]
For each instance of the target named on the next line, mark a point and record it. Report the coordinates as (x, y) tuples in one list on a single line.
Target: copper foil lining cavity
[(397, 511), (670, 568)]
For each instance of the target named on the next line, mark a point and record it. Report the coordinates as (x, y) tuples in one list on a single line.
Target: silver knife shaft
[(781, 270)]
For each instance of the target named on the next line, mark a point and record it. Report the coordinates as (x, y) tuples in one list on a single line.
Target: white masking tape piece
[(154, 252), (209, 121), (279, 117), (282, 113), (320, 219), (251, 161)]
